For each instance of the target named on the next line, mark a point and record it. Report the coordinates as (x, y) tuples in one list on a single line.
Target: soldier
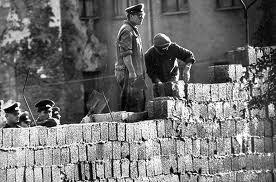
[(161, 60), (24, 119), (44, 109), (12, 112), (56, 113), (130, 66)]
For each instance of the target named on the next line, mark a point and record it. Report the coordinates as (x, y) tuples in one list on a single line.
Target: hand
[(132, 75), (186, 75)]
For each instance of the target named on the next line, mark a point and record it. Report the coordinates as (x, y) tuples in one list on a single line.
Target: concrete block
[(130, 132), (107, 155), (268, 145), (73, 134), (213, 169), (56, 175), (189, 129), (21, 137), (13, 159), (100, 151), (19, 174), (48, 156), (219, 110), (206, 91), (157, 164), (145, 130), (91, 152), (39, 157), (180, 147), (142, 151), (108, 169), (69, 172), (96, 133), (64, 155), (199, 92), (52, 137), (188, 146), (169, 131), (125, 165), (56, 156), (46, 171), (227, 164), (200, 164), (7, 137), (121, 127), (112, 131), (116, 150), (3, 174), (74, 154), (204, 147), (29, 174), (196, 147), (268, 130), (190, 95), (37, 174), (212, 148), (215, 92), (87, 132), (258, 144), (116, 166), (165, 160), (30, 157), (11, 175), (188, 162), (61, 135), (150, 168), (82, 152), (42, 135), (142, 168), (3, 159), (137, 132), (100, 169), (133, 148), (160, 128)]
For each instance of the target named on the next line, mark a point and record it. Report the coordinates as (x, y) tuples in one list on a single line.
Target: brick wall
[(211, 136)]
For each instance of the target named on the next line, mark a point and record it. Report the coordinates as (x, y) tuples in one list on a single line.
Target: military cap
[(12, 108), (44, 105), (138, 8), (24, 117)]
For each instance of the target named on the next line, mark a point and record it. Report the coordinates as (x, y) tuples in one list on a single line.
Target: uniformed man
[(44, 109), (56, 113), (12, 112), (161, 60), (24, 119), (130, 65)]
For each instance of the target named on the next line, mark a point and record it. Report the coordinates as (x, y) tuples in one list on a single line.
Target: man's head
[(161, 42), (55, 113), (44, 108), (24, 119), (136, 14), (12, 112)]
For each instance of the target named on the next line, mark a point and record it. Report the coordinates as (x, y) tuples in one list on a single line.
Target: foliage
[(260, 79), (263, 35)]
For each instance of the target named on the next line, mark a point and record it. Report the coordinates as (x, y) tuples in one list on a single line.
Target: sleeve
[(151, 71), (184, 54), (125, 43)]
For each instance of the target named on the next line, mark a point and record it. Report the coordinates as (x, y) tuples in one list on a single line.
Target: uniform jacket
[(129, 43)]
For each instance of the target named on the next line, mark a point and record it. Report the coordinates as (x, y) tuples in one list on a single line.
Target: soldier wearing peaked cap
[(12, 112), (44, 109), (130, 66)]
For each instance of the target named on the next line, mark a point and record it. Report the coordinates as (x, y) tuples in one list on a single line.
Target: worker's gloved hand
[(186, 73)]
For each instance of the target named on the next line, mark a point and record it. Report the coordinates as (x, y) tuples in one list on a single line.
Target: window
[(89, 8), (174, 6), (228, 4), (120, 6)]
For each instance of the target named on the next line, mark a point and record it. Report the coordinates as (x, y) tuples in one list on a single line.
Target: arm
[(125, 45), (151, 70), (188, 57)]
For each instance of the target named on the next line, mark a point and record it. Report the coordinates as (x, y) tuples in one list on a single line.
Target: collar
[(134, 27)]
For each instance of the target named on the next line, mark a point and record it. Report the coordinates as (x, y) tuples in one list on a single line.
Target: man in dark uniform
[(56, 113), (24, 119), (12, 113), (130, 65), (161, 60), (44, 109)]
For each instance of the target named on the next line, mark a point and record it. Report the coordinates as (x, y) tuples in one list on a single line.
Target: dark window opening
[(228, 4), (174, 6), (89, 9)]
